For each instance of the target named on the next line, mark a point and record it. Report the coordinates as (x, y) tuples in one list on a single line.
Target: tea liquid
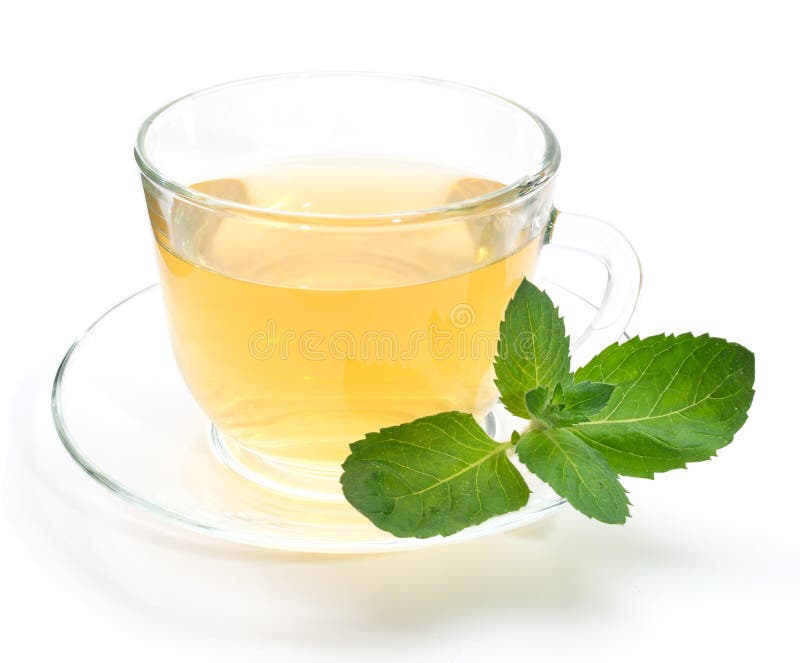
[(299, 336)]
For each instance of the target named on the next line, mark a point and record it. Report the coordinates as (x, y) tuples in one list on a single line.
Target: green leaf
[(435, 475), (533, 350), (678, 400), (576, 472), (537, 402), (583, 399), (569, 404)]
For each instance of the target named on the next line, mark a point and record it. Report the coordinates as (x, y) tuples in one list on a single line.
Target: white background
[(678, 123)]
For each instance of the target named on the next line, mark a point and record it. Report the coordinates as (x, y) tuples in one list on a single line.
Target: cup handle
[(608, 246)]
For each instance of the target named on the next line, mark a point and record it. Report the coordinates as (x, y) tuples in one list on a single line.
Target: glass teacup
[(336, 252)]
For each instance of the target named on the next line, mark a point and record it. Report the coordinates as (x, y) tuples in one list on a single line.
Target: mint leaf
[(533, 350), (576, 472), (569, 404), (435, 475), (678, 400), (537, 403), (583, 399)]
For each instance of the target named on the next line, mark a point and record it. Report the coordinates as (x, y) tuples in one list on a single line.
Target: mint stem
[(535, 424)]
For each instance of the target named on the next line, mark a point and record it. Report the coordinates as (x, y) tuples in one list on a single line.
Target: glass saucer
[(125, 415)]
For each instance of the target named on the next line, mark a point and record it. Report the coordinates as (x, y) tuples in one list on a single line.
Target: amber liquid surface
[(298, 338)]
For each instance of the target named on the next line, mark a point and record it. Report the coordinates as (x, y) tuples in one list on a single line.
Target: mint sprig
[(640, 407)]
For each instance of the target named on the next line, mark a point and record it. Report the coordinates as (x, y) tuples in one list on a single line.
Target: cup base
[(308, 481)]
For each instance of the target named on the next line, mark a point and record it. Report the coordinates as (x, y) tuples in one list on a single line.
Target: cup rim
[(497, 199)]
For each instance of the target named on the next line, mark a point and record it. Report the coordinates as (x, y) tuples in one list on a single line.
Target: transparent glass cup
[(297, 332)]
